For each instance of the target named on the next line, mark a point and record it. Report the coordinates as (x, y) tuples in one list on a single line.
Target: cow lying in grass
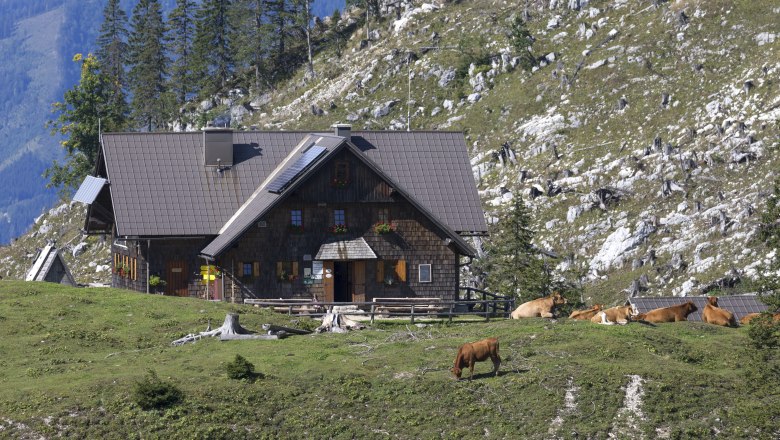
[(615, 315), (587, 313), (471, 353), (712, 314), (676, 313), (542, 307), (751, 316)]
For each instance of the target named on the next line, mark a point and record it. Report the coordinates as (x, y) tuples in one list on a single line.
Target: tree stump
[(338, 323)]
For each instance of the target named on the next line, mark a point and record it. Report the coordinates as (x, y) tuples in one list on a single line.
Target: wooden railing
[(489, 306)]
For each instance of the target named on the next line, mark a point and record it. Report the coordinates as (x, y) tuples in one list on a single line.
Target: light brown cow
[(542, 307), (751, 316), (587, 313), (615, 315), (471, 353), (712, 314), (676, 313)]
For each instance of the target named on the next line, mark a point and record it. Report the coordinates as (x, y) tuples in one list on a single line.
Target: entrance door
[(358, 281), (176, 278), (341, 290), (327, 280)]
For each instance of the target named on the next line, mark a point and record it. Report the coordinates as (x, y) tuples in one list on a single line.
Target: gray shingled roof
[(160, 187), (356, 249), (739, 305)]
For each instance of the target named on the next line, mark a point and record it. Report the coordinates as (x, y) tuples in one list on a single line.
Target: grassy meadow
[(70, 358)]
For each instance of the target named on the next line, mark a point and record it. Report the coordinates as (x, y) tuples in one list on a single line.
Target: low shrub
[(154, 393), (240, 368)]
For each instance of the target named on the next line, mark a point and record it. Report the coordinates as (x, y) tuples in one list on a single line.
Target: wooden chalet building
[(342, 216)]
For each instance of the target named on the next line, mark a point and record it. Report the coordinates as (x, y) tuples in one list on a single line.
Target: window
[(390, 272), (287, 271), (339, 217), (425, 273), (246, 270), (296, 220), (249, 269), (126, 266), (383, 215), (340, 177)]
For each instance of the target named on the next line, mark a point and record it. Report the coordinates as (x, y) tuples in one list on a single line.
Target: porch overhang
[(341, 250)]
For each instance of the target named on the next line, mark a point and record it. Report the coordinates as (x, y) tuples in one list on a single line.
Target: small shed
[(739, 305), (50, 267)]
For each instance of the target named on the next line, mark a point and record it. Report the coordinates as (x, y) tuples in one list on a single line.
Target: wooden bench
[(423, 306), (300, 306)]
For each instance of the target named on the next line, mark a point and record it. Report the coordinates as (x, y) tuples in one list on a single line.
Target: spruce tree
[(181, 29), (512, 266), (86, 110), (148, 62), (251, 42), (213, 61), (112, 51)]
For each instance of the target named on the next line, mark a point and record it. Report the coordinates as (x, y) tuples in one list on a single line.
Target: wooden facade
[(275, 258)]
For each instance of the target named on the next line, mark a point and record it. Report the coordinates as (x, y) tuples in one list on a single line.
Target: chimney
[(218, 147), (343, 130)]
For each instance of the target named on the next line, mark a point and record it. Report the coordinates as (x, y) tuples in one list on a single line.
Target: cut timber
[(338, 323), (273, 329), (234, 337), (230, 327)]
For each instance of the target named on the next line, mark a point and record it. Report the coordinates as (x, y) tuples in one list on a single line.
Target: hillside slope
[(71, 359), (645, 140)]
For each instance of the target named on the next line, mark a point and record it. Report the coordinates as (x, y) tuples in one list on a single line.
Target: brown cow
[(712, 314), (543, 307), (751, 316), (676, 313), (471, 353), (587, 313), (615, 315)]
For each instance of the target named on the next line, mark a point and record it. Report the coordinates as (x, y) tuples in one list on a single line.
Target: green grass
[(71, 358)]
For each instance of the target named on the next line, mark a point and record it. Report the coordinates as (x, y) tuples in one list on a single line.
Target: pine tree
[(181, 28), (148, 66), (112, 50), (303, 21), (86, 110), (213, 61), (512, 265), (251, 42)]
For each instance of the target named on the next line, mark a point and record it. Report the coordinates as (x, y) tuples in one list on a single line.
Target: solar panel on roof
[(293, 171), (89, 190)]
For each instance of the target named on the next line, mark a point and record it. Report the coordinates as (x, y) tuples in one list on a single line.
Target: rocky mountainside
[(645, 139)]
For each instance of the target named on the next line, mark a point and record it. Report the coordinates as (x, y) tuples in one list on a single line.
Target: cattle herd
[(470, 353)]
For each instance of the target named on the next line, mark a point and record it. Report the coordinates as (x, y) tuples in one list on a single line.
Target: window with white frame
[(425, 273)]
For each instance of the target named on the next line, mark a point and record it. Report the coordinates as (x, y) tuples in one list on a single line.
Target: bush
[(240, 368), (764, 333), (154, 393)]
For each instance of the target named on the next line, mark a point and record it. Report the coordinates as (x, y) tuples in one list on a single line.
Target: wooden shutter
[(256, 268), (380, 271), (295, 268), (400, 270), (279, 269), (240, 269)]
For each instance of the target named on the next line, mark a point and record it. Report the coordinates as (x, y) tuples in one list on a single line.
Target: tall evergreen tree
[(181, 28), (86, 110), (251, 40), (112, 50), (148, 62), (303, 21), (213, 61), (512, 266)]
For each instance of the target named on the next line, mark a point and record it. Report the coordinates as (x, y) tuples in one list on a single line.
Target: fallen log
[(278, 335), (273, 329)]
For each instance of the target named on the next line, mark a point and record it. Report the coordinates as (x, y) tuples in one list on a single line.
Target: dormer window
[(340, 178)]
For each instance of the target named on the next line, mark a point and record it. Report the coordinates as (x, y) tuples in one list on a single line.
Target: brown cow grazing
[(542, 307), (676, 313), (587, 313), (751, 316), (471, 353), (712, 314), (615, 315)]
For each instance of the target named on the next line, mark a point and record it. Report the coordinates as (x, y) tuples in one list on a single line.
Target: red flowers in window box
[(338, 229)]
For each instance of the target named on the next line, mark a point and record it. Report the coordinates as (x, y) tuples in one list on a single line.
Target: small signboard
[(316, 271)]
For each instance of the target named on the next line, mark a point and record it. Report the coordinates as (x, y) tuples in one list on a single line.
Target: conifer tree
[(303, 21), (148, 62), (213, 61), (512, 266), (86, 110), (112, 51), (181, 29), (251, 41)]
